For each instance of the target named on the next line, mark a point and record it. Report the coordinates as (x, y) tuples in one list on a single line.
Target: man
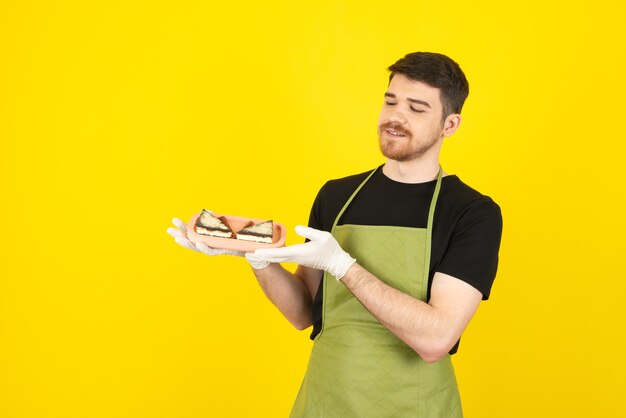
[(395, 265)]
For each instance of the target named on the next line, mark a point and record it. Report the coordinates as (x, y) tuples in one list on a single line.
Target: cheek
[(385, 114), (381, 120)]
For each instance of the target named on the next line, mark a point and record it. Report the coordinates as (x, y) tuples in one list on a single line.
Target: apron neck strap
[(429, 230), (433, 202), (343, 209)]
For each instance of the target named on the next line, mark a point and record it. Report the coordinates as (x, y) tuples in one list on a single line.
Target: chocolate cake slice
[(207, 224), (262, 232)]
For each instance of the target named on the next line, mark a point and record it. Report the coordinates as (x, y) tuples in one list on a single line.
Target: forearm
[(418, 324), (287, 292)]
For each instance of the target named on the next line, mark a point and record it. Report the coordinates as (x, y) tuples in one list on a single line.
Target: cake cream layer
[(213, 232), (254, 238)]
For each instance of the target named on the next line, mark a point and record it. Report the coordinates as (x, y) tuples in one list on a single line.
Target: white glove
[(180, 236), (256, 262), (321, 252)]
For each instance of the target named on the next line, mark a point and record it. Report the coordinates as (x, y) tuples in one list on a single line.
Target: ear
[(451, 124)]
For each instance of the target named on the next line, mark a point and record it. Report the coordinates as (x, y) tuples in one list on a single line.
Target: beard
[(403, 148)]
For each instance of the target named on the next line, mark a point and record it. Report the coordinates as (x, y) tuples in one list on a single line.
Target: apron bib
[(358, 368)]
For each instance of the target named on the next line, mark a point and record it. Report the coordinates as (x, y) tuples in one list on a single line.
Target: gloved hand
[(180, 236), (322, 252)]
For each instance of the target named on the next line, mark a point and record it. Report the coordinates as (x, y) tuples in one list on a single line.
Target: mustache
[(396, 127)]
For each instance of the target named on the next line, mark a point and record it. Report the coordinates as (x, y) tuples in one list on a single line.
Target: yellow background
[(116, 116)]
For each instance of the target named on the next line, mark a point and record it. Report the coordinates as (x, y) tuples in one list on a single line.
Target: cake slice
[(207, 224), (262, 232)]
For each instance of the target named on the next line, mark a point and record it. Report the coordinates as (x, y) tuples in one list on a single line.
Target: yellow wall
[(116, 116)]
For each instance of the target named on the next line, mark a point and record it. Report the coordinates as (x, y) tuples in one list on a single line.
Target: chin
[(395, 154), (403, 152)]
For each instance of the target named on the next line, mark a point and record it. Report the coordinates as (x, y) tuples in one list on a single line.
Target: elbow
[(432, 356), (434, 350), (301, 324)]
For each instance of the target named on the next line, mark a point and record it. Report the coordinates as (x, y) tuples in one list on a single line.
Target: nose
[(397, 115)]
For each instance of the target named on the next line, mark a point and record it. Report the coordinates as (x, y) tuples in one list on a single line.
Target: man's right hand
[(180, 236)]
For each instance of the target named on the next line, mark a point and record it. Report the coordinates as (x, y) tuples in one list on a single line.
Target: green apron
[(358, 368)]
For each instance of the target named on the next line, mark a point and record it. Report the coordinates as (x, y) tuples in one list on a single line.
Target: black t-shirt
[(466, 229)]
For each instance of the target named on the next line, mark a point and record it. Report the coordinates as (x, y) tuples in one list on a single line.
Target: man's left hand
[(322, 252)]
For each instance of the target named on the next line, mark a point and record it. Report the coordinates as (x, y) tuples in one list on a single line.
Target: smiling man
[(397, 260), (396, 131)]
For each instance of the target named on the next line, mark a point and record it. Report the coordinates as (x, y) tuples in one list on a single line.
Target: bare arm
[(291, 293), (430, 329)]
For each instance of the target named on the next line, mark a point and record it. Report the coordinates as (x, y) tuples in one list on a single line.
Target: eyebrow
[(393, 96)]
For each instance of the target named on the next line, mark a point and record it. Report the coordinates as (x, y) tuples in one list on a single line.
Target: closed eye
[(411, 107)]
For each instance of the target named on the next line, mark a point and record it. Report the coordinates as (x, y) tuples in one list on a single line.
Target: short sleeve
[(315, 217), (472, 253)]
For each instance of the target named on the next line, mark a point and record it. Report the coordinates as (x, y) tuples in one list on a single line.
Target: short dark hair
[(436, 70)]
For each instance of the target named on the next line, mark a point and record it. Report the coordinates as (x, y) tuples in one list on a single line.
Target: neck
[(414, 171)]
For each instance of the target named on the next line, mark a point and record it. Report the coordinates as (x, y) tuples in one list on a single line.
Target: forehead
[(403, 88)]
